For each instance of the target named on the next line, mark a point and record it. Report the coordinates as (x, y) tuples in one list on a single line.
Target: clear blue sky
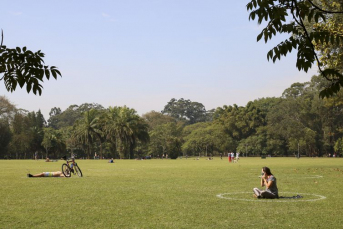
[(142, 53)]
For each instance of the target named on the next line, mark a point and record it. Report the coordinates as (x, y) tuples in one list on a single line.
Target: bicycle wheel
[(78, 170), (66, 170)]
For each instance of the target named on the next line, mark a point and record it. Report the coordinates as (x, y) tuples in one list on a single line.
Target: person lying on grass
[(269, 181), (47, 174)]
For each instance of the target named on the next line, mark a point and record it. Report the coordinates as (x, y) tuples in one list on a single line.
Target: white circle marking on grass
[(314, 176), (311, 176), (225, 196)]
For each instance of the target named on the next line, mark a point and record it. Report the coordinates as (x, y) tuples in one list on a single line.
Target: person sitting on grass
[(47, 174), (269, 181)]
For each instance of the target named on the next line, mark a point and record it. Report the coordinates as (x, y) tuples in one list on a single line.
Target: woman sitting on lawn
[(269, 181)]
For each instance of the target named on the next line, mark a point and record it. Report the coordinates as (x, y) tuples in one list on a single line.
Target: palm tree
[(123, 127), (88, 129)]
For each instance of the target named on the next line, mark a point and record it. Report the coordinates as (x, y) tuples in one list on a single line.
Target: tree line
[(299, 121)]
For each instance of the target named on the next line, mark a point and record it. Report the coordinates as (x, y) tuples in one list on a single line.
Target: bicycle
[(69, 168)]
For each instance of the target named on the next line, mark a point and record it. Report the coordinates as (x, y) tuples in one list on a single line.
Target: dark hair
[(266, 170)]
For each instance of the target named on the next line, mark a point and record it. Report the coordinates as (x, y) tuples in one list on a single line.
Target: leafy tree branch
[(305, 32), (20, 66)]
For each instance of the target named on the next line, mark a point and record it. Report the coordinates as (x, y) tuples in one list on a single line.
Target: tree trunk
[(101, 150), (131, 151)]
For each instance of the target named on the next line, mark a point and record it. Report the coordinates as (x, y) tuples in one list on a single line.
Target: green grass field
[(172, 194)]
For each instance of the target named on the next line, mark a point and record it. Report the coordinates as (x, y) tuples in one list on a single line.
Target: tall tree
[(88, 129), (59, 118), (339, 146), (240, 122), (185, 110), (36, 124), (5, 137), (7, 109), (207, 138), (155, 119), (300, 119), (124, 128), (21, 138), (166, 139), (7, 112), (54, 143), (53, 119)]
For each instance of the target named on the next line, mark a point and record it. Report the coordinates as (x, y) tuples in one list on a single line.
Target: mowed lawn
[(172, 194)]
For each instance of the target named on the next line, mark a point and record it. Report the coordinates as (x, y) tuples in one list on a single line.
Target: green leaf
[(265, 33), (252, 15), (249, 6), (28, 87), (53, 73), (316, 17), (47, 73), (37, 89), (274, 58), (310, 16), (270, 54), (289, 46), (259, 36), (58, 72), (259, 2)]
